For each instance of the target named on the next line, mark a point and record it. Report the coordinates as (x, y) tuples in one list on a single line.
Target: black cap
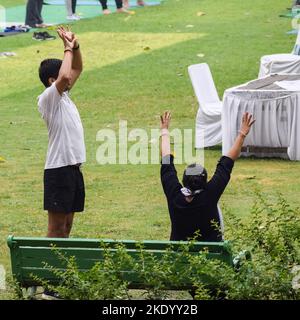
[(195, 177)]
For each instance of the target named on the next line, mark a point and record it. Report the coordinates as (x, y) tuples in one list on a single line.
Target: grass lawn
[(10, 3), (123, 81)]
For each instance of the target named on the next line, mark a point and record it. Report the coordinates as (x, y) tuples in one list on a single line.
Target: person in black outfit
[(74, 3), (193, 206), (119, 4), (34, 14)]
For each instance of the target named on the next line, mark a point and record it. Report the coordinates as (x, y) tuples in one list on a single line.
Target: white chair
[(208, 122), (287, 63)]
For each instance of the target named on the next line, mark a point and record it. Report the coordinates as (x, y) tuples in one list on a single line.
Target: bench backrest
[(29, 255)]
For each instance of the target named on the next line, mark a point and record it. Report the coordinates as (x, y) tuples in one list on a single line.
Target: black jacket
[(187, 218)]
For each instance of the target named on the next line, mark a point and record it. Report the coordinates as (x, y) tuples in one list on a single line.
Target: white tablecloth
[(277, 114), (279, 63)]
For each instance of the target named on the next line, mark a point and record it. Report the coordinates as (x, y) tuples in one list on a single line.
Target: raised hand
[(69, 34), (68, 37), (247, 122), (61, 31), (165, 120)]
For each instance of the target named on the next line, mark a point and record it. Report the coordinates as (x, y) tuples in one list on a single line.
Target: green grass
[(123, 81), (10, 3)]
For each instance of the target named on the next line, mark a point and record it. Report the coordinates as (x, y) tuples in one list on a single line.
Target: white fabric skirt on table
[(277, 121)]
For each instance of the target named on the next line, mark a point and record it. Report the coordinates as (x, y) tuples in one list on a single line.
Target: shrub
[(271, 234)]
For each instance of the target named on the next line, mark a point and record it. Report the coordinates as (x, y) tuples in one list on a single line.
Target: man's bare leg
[(56, 229), (56, 225), (69, 224)]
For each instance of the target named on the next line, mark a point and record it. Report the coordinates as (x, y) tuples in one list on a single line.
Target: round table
[(279, 63), (276, 110)]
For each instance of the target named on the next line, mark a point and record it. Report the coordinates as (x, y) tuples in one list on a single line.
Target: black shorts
[(64, 190)]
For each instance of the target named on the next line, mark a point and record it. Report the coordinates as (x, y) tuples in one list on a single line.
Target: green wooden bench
[(29, 255)]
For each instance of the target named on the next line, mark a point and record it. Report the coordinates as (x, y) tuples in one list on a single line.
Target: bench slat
[(130, 244), (37, 257)]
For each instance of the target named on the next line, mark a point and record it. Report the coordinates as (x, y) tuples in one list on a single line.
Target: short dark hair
[(195, 177), (49, 68)]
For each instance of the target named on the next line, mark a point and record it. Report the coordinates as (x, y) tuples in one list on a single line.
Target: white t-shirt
[(66, 138)]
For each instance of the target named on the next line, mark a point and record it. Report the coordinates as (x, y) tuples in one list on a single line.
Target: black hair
[(195, 177), (49, 68)]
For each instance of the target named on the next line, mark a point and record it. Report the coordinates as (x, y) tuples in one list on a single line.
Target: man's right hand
[(247, 122)]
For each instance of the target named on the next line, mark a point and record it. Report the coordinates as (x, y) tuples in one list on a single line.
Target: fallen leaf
[(147, 48), (201, 55), (200, 14), (53, 27), (189, 26), (2, 159), (251, 177)]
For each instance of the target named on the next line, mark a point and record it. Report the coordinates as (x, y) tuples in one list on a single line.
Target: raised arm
[(69, 37), (247, 122), (221, 177), (165, 136), (63, 81), (168, 173), (77, 65)]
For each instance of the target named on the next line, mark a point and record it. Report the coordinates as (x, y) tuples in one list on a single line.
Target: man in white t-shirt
[(64, 191)]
